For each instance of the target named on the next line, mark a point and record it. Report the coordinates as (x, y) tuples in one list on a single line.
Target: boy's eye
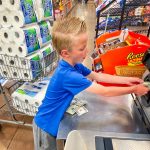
[(82, 49)]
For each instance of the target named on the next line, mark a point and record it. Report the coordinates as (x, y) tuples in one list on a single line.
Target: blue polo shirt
[(66, 82)]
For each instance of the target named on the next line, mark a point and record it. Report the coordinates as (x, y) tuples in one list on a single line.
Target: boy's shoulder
[(64, 69)]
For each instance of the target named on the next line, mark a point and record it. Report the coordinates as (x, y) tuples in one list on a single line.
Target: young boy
[(70, 78)]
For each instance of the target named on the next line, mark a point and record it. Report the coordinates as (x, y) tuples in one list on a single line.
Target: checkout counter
[(112, 123), (118, 117)]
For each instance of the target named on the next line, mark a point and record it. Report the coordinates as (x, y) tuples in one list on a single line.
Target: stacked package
[(29, 68), (25, 35), (28, 97)]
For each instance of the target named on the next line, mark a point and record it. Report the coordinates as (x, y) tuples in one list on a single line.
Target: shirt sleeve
[(85, 71), (76, 82)]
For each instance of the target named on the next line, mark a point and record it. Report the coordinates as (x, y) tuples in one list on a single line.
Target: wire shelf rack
[(117, 15), (18, 68)]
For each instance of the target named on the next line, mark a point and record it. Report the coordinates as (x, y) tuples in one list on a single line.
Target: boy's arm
[(117, 91), (102, 77)]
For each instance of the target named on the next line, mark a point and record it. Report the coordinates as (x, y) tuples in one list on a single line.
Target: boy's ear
[(64, 53)]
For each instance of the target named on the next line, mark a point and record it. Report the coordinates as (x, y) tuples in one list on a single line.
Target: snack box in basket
[(126, 56)]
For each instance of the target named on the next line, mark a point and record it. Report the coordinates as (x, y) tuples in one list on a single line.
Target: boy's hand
[(132, 80), (140, 89)]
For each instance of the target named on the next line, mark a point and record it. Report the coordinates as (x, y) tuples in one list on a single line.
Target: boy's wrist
[(133, 89)]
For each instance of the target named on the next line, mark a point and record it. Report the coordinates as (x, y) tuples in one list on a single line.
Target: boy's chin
[(80, 61)]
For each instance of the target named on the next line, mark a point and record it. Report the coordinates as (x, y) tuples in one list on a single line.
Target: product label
[(31, 40), (27, 92), (46, 52), (28, 11), (135, 59), (45, 32), (47, 7), (47, 56), (36, 65)]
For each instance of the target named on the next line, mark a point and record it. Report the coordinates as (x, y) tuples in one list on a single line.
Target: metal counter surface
[(105, 114)]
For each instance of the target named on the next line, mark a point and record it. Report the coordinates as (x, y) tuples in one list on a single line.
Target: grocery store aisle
[(14, 137)]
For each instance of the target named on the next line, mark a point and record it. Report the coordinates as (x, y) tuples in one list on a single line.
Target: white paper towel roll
[(11, 49), (17, 18), (10, 60), (27, 36), (6, 35), (18, 35), (44, 9), (21, 50), (13, 4), (5, 71), (5, 18), (2, 5)]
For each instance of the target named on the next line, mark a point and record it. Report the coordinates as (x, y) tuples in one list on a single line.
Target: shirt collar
[(65, 63)]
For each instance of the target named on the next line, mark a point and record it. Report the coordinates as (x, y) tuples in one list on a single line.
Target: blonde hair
[(64, 30)]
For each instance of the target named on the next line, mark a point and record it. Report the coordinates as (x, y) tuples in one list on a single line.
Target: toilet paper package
[(27, 109), (22, 12), (30, 94), (19, 20), (21, 68), (19, 50), (5, 19), (44, 9), (45, 31), (15, 50), (27, 68), (18, 74), (25, 5), (30, 62), (28, 37), (12, 49)]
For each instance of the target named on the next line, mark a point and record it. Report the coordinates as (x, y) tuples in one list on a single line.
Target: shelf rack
[(120, 10)]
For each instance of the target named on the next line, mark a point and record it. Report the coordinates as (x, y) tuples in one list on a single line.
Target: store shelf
[(122, 15), (65, 8), (137, 2), (102, 7), (114, 5), (115, 9)]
